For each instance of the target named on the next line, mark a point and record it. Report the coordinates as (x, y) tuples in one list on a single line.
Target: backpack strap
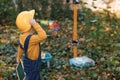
[(26, 43)]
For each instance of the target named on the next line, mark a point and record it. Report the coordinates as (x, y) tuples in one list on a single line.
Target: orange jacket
[(33, 47)]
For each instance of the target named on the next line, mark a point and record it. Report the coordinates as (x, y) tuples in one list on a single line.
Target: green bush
[(100, 31), (7, 12)]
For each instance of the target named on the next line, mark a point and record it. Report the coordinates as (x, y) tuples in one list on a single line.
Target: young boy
[(29, 49)]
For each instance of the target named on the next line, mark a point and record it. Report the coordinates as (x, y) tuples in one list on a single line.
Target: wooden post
[(75, 31)]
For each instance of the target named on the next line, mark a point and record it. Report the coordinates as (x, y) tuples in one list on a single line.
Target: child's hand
[(18, 60), (32, 21)]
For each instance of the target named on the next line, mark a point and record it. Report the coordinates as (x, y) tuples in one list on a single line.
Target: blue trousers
[(33, 75), (32, 68)]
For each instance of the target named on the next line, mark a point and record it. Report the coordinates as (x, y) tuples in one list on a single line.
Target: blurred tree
[(50, 9), (7, 11)]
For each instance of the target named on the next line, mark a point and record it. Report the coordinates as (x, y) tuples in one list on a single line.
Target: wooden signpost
[(75, 2)]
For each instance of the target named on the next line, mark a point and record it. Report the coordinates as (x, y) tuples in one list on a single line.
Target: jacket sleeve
[(41, 34), (20, 53)]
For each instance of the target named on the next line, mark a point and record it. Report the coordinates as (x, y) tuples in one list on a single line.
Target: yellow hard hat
[(23, 19)]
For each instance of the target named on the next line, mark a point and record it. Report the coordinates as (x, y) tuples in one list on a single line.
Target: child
[(29, 49)]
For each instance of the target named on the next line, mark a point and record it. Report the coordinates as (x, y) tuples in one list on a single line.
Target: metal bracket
[(74, 43), (67, 1), (75, 1)]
